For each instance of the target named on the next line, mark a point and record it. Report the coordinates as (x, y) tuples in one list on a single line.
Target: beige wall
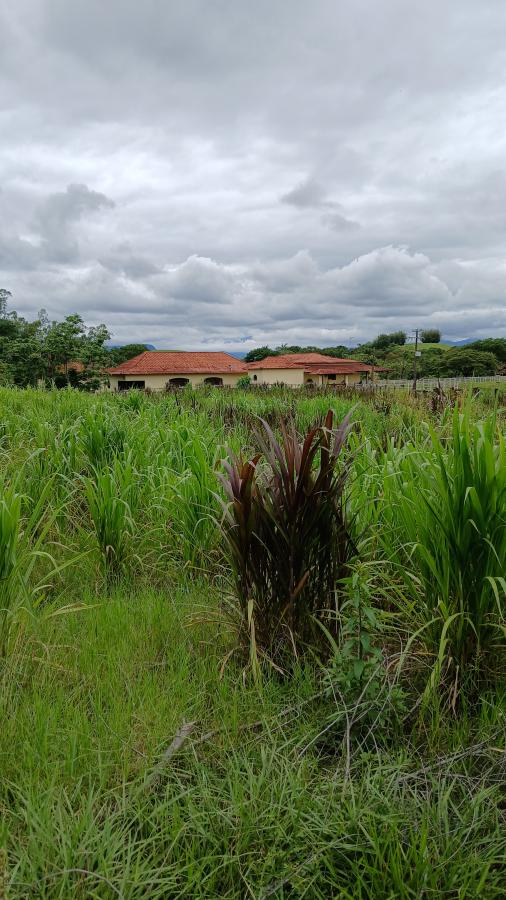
[(297, 377), (293, 377), (353, 378), (158, 382)]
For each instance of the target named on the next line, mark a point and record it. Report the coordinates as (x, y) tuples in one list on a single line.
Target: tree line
[(62, 352)]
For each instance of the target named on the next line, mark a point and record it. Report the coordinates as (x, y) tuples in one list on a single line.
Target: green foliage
[(118, 355), (497, 346), (465, 362), (103, 440), (287, 537), (393, 339), (430, 336), (33, 350), (259, 353), (356, 676), (244, 381), (108, 492), (333, 782), (10, 517), (445, 532)]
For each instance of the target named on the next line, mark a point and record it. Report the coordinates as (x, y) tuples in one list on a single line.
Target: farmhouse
[(161, 369), (297, 369)]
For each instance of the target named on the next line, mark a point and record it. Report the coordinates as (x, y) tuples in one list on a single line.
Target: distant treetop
[(430, 336)]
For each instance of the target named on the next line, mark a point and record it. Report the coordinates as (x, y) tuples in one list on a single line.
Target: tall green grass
[(444, 530), (138, 756)]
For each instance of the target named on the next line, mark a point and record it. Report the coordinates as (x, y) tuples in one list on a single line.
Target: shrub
[(287, 537)]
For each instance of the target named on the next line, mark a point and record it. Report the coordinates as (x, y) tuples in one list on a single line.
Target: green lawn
[(411, 347)]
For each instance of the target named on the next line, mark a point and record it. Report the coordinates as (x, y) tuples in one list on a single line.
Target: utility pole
[(415, 361)]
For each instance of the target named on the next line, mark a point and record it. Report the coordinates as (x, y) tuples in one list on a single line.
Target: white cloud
[(194, 173)]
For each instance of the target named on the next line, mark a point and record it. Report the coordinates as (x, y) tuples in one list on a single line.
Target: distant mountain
[(460, 343)]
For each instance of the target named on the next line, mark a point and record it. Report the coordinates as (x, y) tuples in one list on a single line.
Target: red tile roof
[(176, 362), (76, 364), (289, 361), (314, 363)]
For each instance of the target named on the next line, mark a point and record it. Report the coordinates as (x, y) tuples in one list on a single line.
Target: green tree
[(63, 342), (340, 351), (431, 362), (465, 362), (118, 355), (497, 346), (394, 338), (92, 350), (430, 336), (259, 353)]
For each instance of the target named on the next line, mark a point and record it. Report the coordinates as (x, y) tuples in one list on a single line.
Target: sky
[(221, 174)]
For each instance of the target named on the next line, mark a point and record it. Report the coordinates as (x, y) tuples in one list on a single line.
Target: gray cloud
[(194, 173), (57, 215), (306, 193)]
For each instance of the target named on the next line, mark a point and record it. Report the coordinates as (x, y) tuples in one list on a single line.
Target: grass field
[(151, 747), (428, 346)]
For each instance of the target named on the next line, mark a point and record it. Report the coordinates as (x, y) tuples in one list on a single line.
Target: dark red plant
[(287, 538)]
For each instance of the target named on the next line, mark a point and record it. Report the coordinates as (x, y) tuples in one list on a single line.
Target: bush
[(430, 336), (287, 538)]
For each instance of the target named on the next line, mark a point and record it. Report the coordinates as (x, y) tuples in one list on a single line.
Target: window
[(131, 385)]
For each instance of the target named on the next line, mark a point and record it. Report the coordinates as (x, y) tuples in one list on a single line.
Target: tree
[(93, 351), (118, 355), (62, 343), (394, 338), (430, 364), (465, 362), (5, 296), (340, 351), (259, 353), (21, 359), (497, 346), (8, 320), (430, 336)]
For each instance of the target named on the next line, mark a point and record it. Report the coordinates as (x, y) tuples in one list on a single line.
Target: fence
[(428, 384)]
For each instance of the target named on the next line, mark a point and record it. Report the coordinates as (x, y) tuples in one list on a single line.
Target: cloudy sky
[(226, 173)]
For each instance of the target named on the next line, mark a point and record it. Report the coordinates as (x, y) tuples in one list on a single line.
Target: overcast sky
[(227, 173)]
